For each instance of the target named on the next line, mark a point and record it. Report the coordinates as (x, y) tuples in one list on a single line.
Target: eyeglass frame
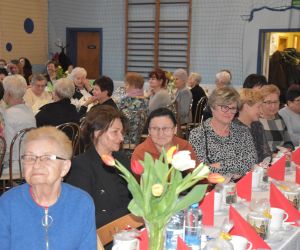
[(226, 108), (165, 130), (271, 102), (42, 158)]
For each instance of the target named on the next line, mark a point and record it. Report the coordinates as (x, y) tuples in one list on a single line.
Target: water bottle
[(174, 229), (192, 227)]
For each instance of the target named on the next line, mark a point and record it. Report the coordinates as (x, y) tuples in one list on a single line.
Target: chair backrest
[(72, 130), (107, 231), (2, 152), (199, 110), (16, 142)]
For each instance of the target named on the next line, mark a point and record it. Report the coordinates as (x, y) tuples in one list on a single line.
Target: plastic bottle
[(174, 229), (192, 227)]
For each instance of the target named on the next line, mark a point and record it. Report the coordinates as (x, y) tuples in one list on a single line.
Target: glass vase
[(156, 235)]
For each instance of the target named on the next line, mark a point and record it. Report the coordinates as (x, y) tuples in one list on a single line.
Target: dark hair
[(100, 117), (161, 112), (3, 71), (159, 74), (105, 83), (293, 92), (1, 90), (254, 80), (55, 63)]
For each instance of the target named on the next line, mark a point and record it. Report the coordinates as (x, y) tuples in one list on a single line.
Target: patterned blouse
[(135, 109), (276, 133), (235, 153)]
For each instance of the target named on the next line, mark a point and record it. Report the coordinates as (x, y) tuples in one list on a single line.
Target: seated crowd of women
[(245, 127)]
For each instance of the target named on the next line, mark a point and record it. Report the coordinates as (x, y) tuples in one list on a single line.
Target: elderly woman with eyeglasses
[(45, 213), (36, 96), (161, 126), (225, 146), (274, 126)]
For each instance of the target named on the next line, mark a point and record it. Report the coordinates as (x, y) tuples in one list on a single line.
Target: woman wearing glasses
[(274, 126), (45, 213), (225, 146), (161, 126)]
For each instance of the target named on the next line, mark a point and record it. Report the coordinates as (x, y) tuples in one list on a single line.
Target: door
[(85, 49)]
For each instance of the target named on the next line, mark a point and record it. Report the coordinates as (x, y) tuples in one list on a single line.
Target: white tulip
[(182, 160)]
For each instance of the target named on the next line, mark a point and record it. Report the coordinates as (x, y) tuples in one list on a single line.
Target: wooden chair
[(2, 154), (72, 130), (107, 231), (13, 178)]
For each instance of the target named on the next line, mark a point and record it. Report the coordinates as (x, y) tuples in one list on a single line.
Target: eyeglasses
[(31, 159), (225, 109), (165, 130), (271, 102), (40, 86)]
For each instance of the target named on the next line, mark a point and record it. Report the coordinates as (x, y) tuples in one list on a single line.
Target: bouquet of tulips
[(156, 196)]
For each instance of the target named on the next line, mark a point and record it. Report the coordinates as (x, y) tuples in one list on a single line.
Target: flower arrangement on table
[(170, 84), (156, 197)]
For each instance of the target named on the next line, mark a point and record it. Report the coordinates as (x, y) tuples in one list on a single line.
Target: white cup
[(278, 217), (131, 244), (217, 201), (240, 243)]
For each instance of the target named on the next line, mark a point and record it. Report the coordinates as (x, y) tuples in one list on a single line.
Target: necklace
[(46, 219)]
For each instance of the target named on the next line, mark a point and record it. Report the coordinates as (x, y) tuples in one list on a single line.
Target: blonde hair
[(223, 96), (269, 89), (250, 96), (134, 79), (52, 134), (196, 76)]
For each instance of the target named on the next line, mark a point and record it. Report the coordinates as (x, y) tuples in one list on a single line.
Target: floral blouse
[(135, 109), (236, 153)]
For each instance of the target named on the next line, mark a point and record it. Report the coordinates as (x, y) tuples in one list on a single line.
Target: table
[(287, 240)]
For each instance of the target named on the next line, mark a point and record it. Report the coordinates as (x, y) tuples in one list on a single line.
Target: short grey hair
[(64, 88), (181, 74), (37, 77), (15, 85), (196, 76), (77, 71), (223, 77), (224, 96)]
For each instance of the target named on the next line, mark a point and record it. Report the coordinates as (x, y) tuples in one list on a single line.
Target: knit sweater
[(73, 225)]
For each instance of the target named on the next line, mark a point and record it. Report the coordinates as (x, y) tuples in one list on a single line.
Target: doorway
[(274, 40), (85, 49)]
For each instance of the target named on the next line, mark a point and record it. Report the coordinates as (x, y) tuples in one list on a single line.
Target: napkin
[(181, 245), (144, 240), (244, 187), (207, 207), (243, 228), (277, 199), (297, 175), (296, 156), (277, 170)]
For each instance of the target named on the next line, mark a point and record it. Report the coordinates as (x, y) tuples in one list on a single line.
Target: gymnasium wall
[(24, 30)]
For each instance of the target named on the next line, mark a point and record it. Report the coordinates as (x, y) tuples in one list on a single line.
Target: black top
[(110, 102), (107, 188), (197, 93), (57, 113)]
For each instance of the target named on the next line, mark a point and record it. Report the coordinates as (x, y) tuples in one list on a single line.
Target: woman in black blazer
[(103, 131)]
